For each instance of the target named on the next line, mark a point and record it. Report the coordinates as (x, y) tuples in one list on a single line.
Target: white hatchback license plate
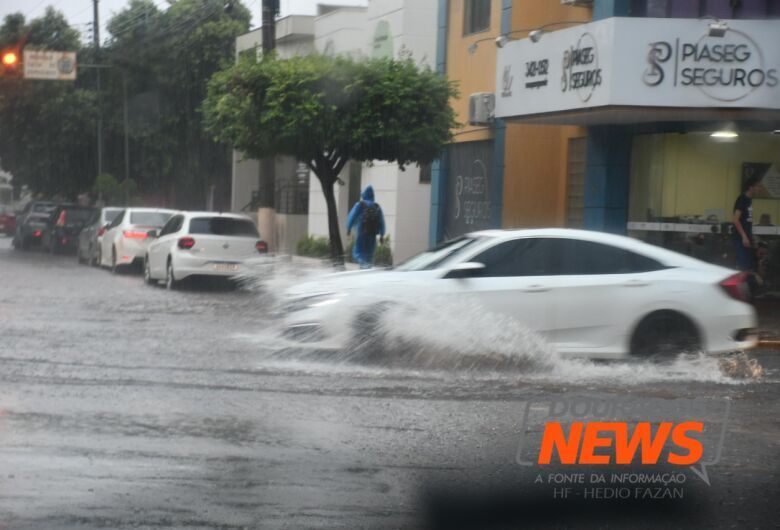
[(226, 267)]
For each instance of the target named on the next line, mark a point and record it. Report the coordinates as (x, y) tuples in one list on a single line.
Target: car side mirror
[(151, 234), (468, 269)]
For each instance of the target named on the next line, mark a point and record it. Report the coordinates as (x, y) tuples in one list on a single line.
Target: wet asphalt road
[(123, 406)]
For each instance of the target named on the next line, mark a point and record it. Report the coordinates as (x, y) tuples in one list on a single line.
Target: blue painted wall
[(439, 167), (607, 175), (608, 158)]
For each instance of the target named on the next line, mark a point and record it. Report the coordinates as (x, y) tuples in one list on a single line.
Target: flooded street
[(123, 405)]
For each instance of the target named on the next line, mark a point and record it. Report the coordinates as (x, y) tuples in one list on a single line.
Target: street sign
[(49, 65)]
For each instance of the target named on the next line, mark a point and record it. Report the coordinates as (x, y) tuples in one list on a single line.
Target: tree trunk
[(336, 246)]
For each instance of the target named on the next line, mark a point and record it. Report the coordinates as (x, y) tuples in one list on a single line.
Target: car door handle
[(635, 283), (535, 288)]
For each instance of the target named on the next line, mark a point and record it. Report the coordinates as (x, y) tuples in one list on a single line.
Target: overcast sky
[(79, 12)]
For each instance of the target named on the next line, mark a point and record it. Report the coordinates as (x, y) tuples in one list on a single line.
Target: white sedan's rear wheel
[(170, 279), (664, 335), (148, 272)]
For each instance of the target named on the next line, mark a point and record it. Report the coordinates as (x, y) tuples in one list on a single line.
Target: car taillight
[(37, 233), (61, 219), (262, 247), (134, 234), (737, 287), (101, 231), (186, 243)]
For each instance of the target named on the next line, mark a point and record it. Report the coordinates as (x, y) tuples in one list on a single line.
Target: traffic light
[(11, 63), (10, 59)]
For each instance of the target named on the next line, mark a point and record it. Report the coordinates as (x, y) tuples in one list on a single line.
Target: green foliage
[(112, 191), (48, 129), (383, 255), (324, 109), (168, 57), (106, 188), (313, 247)]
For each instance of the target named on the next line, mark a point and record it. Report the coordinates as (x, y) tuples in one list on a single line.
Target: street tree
[(163, 60), (327, 111), (46, 138)]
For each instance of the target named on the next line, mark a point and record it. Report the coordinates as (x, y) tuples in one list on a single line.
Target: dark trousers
[(746, 258)]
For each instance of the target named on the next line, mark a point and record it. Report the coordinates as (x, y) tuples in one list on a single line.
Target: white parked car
[(201, 244), (127, 237), (586, 293)]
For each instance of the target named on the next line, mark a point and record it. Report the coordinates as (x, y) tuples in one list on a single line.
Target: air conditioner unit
[(482, 106), (577, 2)]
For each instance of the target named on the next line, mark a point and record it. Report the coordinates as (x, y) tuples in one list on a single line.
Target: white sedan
[(586, 293), (201, 244), (126, 238)]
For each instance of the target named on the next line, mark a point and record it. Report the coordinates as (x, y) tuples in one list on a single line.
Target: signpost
[(49, 65)]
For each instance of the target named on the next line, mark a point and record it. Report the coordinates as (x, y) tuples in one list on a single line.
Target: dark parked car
[(7, 220), (92, 234), (62, 230), (31, 223)]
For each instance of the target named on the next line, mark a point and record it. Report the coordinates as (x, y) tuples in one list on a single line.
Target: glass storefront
[(683, 188)]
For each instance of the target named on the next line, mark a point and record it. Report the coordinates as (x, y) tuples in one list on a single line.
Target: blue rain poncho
[(365, 244)]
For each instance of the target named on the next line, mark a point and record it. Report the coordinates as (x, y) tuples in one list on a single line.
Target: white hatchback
[(201, 244), (126, 238), (586, 293)]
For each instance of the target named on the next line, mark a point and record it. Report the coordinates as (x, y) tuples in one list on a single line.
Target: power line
[(173, 27)]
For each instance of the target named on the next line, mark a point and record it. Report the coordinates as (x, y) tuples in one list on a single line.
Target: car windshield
[(149, 218), (223, 226), (77, 215), (43, 208), (437, 256)]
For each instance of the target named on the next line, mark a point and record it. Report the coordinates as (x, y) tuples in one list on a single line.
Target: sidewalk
[(768, 307)]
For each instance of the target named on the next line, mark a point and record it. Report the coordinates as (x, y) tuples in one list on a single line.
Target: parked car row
[(169, 245), (7, 220)]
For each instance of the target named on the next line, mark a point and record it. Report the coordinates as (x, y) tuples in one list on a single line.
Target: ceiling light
[(718, 28), (724, 134)]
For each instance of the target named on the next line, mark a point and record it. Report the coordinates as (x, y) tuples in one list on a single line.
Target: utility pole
[(127, 137), (96, 42), (267, 183)]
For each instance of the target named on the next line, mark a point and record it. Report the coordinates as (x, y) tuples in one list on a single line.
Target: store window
[(683, 188), (700, 8), (425, 173), (477, 16)]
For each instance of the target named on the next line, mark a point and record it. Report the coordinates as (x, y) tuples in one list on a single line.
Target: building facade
[(501, 172), (629, 116), (385, 28), (679, 109)]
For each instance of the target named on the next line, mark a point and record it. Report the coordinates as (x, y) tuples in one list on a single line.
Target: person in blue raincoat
[(367, 219)]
